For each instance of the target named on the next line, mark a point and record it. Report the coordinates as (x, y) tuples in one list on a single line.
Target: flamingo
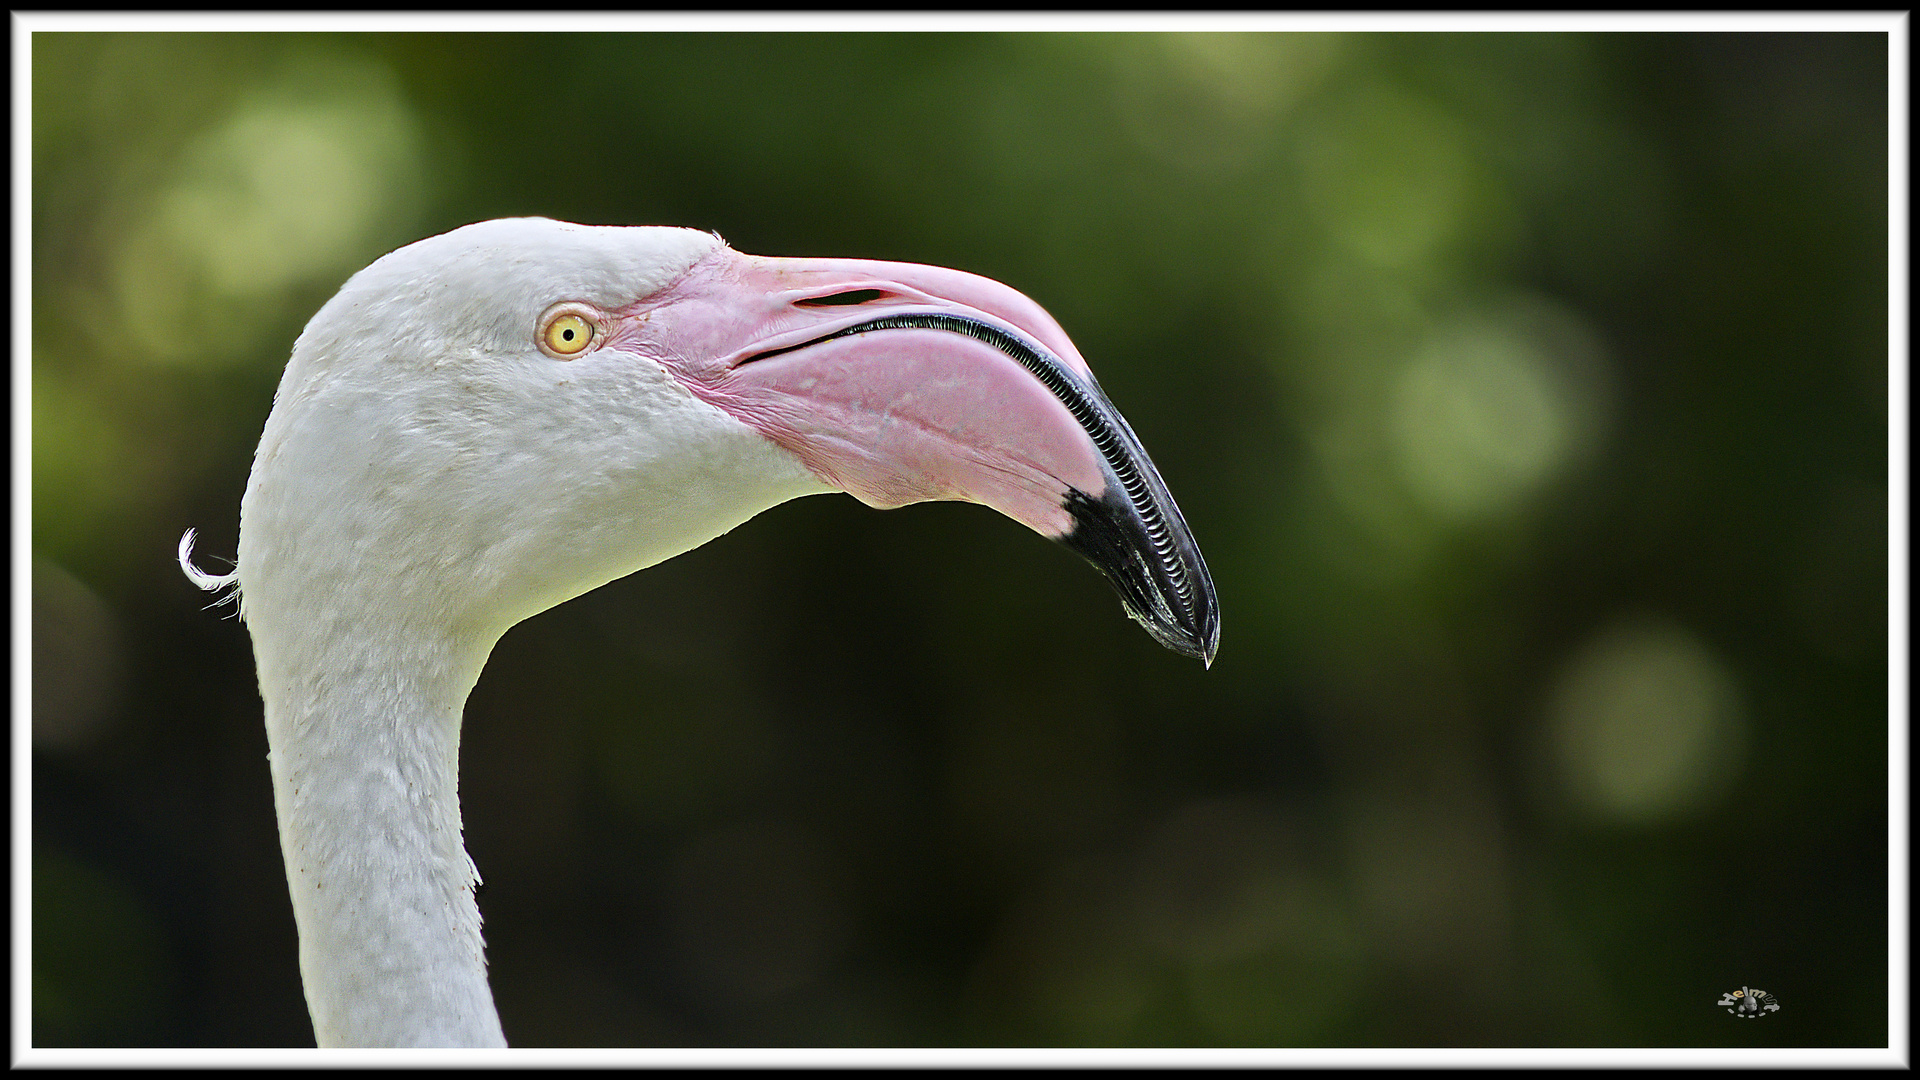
[(486, 423)]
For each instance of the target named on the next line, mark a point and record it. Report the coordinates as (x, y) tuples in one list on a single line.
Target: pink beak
[(901, 383)]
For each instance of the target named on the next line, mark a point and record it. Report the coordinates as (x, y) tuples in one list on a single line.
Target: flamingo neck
[(363, 731)]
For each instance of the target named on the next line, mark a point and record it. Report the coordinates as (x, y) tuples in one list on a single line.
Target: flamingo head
[(485, 423)]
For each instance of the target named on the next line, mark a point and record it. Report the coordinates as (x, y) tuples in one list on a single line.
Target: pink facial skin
[(891, 416)]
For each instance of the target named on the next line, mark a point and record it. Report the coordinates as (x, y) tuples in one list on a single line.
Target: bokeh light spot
[(1477, 420), (1217, 99), (308, 170), (1388, 175), (1645, 722)]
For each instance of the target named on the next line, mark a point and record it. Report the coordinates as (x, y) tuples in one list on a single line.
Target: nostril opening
[(857, 296)]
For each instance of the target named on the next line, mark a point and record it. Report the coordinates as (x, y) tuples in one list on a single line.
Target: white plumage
[(434, 470)]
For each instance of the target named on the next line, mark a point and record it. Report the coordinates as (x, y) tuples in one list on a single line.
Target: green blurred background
[(1527, 394)]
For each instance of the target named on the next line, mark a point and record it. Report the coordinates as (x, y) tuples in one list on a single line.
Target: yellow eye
[(567, 335)]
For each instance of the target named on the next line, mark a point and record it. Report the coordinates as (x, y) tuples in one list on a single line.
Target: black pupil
[(567, 334)]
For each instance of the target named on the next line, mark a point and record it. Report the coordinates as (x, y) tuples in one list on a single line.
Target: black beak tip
[(1191, 632), (1209, 637), (1166, 590)]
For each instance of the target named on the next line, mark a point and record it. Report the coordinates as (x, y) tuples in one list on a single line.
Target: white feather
[(203, 580), (428, 478)]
